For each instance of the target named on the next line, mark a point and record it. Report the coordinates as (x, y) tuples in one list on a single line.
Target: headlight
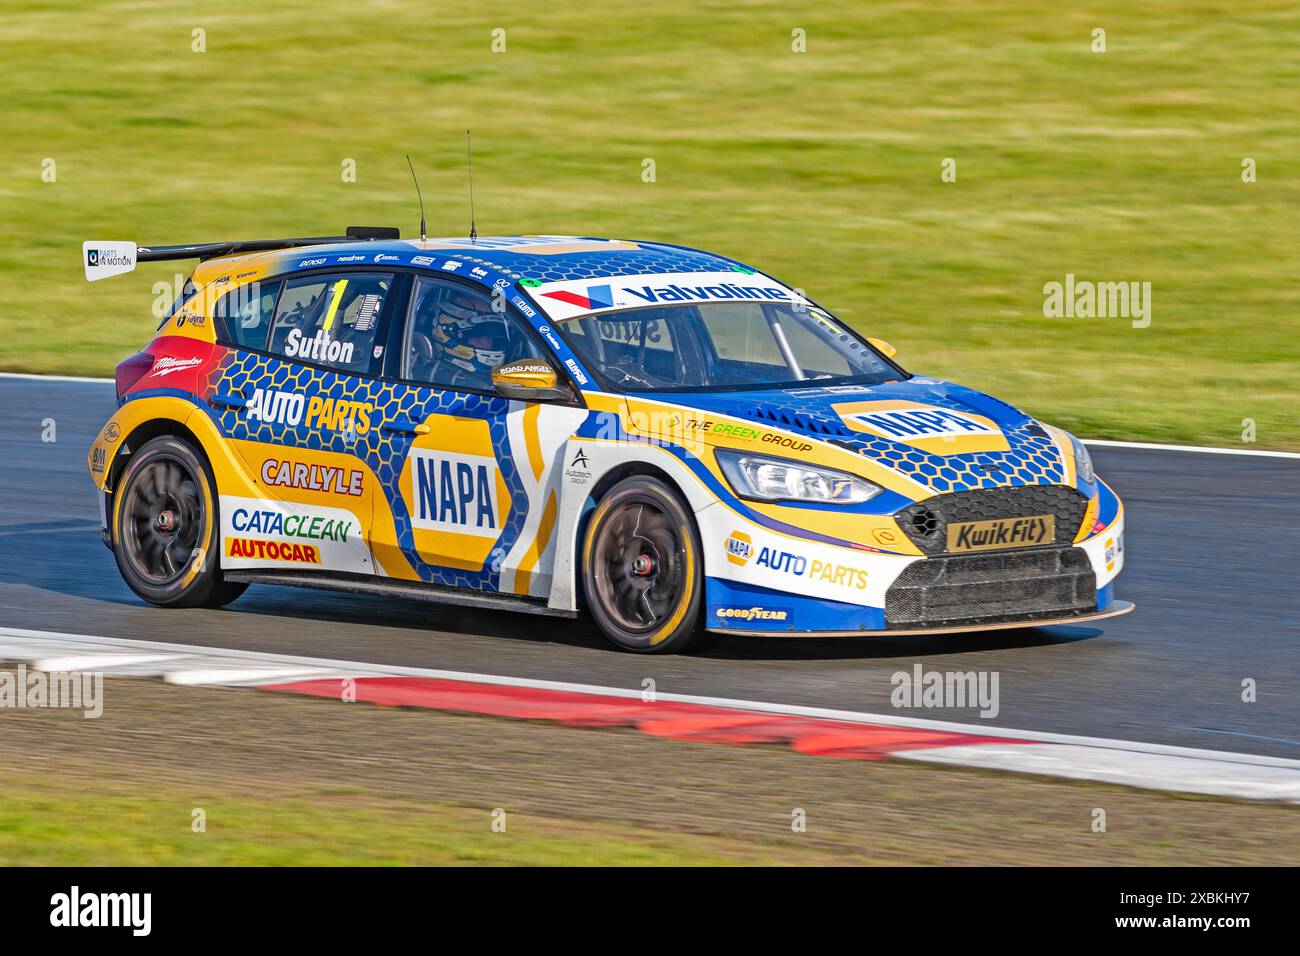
[(1082, 462), (776, 479)]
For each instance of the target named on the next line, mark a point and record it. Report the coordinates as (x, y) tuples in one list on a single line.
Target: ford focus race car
[(668, 439)]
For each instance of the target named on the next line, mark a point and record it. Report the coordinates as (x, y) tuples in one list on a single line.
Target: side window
[(331, 319), (454, 339), (743, 338), (638, 331), (815, 355), (645, 344), (243, 315)]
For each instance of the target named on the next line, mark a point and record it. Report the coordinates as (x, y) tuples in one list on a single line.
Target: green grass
[(67, 826), (821, 167)]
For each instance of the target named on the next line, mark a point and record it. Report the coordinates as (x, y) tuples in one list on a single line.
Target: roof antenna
[(417, 194), (469, 156)]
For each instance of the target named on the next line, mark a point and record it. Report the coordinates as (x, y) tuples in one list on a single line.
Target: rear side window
[(244, 315), (331, 320), (187, 292)]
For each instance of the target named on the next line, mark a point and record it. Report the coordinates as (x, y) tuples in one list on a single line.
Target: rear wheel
[(165, 528), (642, 568)]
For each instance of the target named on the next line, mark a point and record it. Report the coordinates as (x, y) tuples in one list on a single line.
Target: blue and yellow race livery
[(667, 438)]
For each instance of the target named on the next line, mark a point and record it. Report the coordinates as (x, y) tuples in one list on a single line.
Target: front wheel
[(165, 528), (642, 568)]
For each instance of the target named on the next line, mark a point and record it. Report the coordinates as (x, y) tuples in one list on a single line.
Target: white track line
[(98, 662), (1124, 762), (1151, 770), (250, 676), (1097, 442), (1200, 449)]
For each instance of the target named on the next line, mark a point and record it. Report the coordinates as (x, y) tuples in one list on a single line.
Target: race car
[(667, 439)]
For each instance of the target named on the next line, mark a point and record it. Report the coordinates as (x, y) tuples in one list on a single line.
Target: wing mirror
[(530, 380), (884, 347)]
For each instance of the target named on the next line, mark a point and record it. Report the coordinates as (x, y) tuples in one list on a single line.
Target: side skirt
[(406, 590)]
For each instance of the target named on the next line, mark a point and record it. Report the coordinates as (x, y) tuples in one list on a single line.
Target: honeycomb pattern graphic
[(1032, 458), (492, 266), (383, 449), (601, 265)]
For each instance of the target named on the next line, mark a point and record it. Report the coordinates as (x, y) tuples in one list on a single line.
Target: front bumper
[(779, 586)]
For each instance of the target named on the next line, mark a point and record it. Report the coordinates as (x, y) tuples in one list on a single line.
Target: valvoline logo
[(597, 297), (572, 297)]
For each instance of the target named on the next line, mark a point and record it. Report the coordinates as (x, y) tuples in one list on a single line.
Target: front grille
[(926, 522), (1005, 586)]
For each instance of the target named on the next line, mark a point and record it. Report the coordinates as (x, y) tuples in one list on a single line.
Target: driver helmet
[(475, 347), (457, 311)]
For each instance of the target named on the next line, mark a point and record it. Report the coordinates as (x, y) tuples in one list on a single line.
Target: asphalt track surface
[(1213, 564)]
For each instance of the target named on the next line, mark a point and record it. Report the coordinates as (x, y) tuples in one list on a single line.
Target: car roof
[(486, 259)]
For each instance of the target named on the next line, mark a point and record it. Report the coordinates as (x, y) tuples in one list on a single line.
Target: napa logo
[(455, 493), (938, 430), (921, 423), (739, 548)]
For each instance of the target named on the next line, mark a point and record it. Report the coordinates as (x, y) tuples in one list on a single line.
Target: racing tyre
[(642, 569), (165, 526)]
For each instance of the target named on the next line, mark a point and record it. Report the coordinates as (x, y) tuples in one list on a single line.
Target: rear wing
[(105, 258)]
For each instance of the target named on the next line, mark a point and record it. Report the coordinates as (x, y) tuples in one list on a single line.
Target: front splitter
[(1114, 609)]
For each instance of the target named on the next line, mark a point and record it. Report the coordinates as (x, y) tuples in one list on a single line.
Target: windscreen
[(722, 345)]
